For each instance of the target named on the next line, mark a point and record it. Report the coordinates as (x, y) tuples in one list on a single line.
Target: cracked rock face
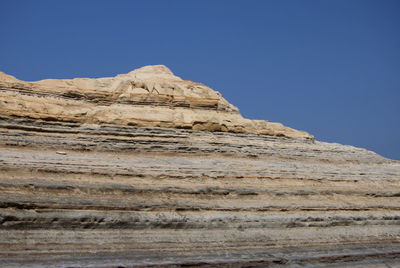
[(151, 96), (147, 169)]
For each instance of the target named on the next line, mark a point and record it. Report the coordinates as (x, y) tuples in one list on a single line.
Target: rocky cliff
[(147, 169), (151, 96)]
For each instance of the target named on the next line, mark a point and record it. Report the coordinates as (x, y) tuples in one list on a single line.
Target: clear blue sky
[(331, 68)]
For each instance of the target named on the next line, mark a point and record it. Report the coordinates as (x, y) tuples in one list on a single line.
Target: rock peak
[(157, 72), (154, 69)]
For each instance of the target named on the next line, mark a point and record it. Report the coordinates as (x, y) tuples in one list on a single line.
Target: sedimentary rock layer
[(147, 97), (80, 194)]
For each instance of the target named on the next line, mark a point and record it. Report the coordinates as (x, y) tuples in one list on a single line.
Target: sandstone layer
[(146, 169), (151, 96)]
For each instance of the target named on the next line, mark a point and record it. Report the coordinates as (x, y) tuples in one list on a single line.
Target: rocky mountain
[(147, 169)]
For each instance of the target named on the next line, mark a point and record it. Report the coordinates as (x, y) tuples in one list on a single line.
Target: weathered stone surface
[(147, 97), (95, 190)]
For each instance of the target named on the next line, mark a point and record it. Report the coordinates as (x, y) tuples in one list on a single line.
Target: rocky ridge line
[(151, 96)]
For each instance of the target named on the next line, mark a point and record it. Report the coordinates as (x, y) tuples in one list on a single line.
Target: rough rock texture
[(109, 173), (147, 97)]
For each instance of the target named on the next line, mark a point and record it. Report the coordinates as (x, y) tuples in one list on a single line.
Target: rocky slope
[(146, 169), (151, 96)]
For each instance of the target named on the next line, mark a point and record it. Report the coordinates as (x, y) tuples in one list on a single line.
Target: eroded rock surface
[(90, 178), (151, 96)]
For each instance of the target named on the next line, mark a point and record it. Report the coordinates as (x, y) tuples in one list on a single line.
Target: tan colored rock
[(81, 185), (151, 96), (8, 78)]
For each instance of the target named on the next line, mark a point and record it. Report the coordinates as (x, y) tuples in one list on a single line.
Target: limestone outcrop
[(146, 169), (151, 96)]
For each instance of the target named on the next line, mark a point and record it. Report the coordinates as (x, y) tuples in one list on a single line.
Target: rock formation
[(151, 96), (147, 169)]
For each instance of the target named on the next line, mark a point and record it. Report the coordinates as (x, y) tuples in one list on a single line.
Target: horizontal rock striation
[(82, 193), (147, 97)]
